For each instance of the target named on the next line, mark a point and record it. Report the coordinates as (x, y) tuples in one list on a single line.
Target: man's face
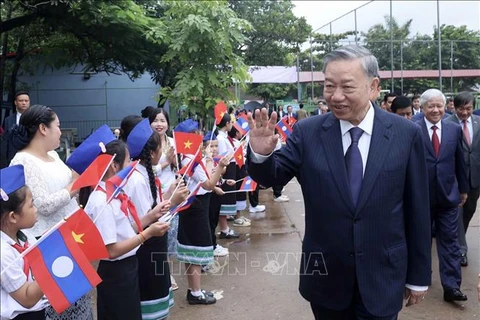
[(450, 106), (464, 112), (434, 109), (22, 103), (416, 104), (347, 90), (405, 112)]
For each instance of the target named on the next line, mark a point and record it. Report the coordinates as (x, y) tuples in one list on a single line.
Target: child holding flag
[(144, 189), (115, 216), (194, 240), (21, 296)]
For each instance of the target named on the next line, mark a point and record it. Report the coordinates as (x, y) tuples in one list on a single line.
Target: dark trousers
[(446, 235), (214, 214), (36, 315), (277, 191), (470, 206), (356, 311), (253, 197)]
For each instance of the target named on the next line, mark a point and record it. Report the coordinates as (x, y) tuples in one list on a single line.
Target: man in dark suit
[(364, 181), (464, 104), (448, 187), (22, 103)]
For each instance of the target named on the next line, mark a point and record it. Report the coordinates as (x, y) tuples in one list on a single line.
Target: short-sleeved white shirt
[(13, 278), (111, 222)]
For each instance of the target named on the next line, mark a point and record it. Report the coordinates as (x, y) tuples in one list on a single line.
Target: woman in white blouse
[(50, 180)]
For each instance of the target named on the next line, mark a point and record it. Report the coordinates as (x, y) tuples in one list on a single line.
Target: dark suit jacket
[(472, 153), (384, 242), (447, 174), (8, 150)]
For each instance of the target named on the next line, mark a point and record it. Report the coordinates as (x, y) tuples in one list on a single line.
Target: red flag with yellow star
[(187, 143), (239, 157), (86, 235), (220, 110)]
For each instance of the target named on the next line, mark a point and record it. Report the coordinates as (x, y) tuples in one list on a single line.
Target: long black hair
[(153, 145)]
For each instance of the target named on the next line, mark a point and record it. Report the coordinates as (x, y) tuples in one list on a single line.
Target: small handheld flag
[(118, 181), (94, 172), (242, 126), (61, 269), (187, 143), (284, 129), (248, 185), (86, 235), (220, 110)]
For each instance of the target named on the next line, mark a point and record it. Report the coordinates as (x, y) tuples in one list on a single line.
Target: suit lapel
[(427, 140), (336, 161), (379, 149)]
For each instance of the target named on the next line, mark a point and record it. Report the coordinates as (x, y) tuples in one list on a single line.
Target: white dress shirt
[(430, 130)]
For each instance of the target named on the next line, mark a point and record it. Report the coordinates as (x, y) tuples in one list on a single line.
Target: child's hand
[(157, 229), (230, 182), (225, 161), (180, 195), (218, 191)]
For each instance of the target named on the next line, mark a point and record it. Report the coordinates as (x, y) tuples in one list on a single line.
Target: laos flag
[(284, 128), (61, 269)]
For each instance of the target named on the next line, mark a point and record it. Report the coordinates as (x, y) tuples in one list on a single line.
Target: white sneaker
[(220, 251), (258, 208), (282, 198)]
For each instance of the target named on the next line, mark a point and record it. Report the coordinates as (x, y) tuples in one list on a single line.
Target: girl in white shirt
[(118, 295), (145, 191), (21, 296)]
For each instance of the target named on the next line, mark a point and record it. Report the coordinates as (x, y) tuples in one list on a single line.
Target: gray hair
[(352, 52), (430, 94)]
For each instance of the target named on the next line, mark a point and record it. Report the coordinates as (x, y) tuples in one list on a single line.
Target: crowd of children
[(136, 281)]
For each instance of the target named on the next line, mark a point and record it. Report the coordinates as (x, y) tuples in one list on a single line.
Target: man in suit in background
[(301, 114), (464, 104), (22, 103), (363, 176), (448, 186)]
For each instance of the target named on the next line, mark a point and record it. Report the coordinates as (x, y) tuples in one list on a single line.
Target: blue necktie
[(353, 160)]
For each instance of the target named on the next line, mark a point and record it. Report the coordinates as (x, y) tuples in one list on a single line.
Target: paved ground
[(259, 280)]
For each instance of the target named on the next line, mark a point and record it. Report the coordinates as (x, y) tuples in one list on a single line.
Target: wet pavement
[(259, 279)]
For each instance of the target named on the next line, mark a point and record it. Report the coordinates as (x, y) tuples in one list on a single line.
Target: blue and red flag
[(242, 126), (61, 269), (114, 184), (248, 185), (284, 128)]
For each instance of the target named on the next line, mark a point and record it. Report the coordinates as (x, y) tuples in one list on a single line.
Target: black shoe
[(454, 295), (206, 298), (464, 260), (229, 235)]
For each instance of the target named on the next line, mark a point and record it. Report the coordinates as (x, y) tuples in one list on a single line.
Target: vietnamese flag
[(248, 184), (94, 173), (187, 143), (220, 110), (86, 235), (238, 154), (61, 269)]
